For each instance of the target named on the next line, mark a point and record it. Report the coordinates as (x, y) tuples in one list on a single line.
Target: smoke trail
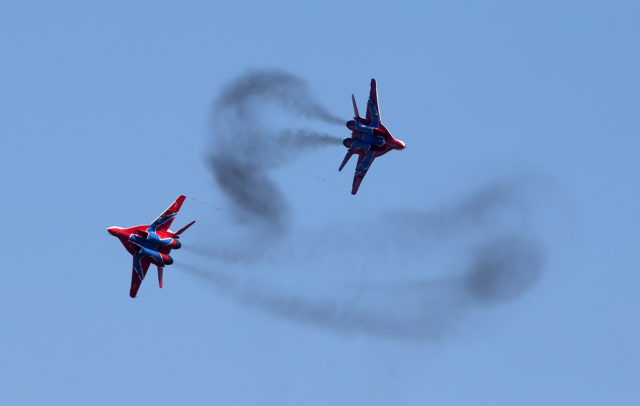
[(497, 264), (498, 267), (413, 310), (300, 139), (504, 269), (244, 149), (249, 188), (277, 86)]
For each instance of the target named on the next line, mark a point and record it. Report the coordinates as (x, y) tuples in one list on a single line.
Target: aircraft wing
[(373, 96), (358, 177), (163, 222), (140, 268)]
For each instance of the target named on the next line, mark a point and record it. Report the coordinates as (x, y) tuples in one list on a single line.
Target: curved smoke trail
[(499, 264), (245, 149)]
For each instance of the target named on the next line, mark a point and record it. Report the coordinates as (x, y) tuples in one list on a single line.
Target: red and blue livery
[(151, 244), (369, 138)]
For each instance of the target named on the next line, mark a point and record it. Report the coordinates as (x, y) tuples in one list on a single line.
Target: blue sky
[(105, 118)]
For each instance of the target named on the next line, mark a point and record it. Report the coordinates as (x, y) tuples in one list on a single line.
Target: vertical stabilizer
[(355, 107), (160, 276), (183, 229)]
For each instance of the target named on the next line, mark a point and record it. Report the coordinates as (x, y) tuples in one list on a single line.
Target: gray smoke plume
[(244, 149), (249, 187), (496, 268), (503, 269), (492, 263), (274, 86), (301, 139), (415, 310)]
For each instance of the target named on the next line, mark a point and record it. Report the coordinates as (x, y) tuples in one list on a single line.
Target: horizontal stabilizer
[(345, 160)]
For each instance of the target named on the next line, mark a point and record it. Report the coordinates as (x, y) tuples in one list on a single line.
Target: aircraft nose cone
[(113, 231)]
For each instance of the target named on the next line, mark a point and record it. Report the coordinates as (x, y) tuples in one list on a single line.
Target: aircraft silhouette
[(369, 138), (151, 244)]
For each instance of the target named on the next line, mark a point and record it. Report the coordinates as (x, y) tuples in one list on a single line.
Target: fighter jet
[(151, 244), (369, 138)]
